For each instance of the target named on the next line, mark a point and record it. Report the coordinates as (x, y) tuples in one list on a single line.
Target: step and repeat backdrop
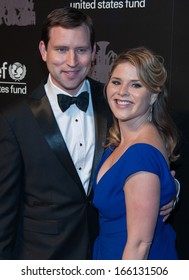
[(158, 24)]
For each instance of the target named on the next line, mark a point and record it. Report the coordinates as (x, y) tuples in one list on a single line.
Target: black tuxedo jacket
[(44, 211)]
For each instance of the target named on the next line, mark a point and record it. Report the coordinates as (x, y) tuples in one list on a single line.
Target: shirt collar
[(52, 90)]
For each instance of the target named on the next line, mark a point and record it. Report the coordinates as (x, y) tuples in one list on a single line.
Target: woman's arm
[(142, 196)]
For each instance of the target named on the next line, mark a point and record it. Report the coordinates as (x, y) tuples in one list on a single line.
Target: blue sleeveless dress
[(110, 202)]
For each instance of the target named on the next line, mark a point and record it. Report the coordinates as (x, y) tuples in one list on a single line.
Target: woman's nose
[(124, 91)]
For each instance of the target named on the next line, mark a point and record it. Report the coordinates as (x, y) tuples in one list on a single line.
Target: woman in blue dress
[(133, 179)]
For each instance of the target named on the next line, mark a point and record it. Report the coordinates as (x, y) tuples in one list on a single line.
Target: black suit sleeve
[(10, 188)]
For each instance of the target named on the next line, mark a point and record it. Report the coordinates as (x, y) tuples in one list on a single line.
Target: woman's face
[(128, 98)]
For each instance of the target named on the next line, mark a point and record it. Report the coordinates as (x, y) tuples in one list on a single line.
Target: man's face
[(68, 56)]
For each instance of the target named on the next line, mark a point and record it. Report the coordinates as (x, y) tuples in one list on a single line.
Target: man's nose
[(71, 58)]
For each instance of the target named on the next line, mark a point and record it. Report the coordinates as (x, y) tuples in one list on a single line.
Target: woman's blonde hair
[(153, 75)]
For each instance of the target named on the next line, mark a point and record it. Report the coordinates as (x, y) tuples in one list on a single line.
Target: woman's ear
[(153, 98)]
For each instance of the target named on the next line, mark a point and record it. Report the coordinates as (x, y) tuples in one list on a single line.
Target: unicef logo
[(17, 71)]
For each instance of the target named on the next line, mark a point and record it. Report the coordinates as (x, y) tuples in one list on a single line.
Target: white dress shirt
[(77, 128)]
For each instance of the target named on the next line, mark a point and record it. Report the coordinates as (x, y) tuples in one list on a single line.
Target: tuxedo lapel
[(101, 124), (42, 111)]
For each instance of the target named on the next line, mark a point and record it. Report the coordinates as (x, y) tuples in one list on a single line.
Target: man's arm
[(167, 209), (10, 181)]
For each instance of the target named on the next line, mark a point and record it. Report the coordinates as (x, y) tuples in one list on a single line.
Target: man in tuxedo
[(50, 144)]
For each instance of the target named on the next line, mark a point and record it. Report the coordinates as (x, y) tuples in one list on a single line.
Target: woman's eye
[(136, 85), (116, 83)]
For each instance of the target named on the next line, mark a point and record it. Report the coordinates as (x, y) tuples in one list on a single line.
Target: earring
[(150, 113)]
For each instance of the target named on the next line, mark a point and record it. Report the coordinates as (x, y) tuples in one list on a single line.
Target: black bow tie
[(81, 101)]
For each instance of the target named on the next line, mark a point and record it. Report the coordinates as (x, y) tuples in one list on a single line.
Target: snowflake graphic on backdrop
[(103, 63), (17, 12)]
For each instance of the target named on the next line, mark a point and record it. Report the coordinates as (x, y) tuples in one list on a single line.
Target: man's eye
[(61, 50), (81, 50)]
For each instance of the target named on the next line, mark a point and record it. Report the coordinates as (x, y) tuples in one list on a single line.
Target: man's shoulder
[(95, 84), (11, 101), (38, 91), (16, 104)]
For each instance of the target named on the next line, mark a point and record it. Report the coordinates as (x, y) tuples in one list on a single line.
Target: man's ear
[(94, 52), (42, 49)]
